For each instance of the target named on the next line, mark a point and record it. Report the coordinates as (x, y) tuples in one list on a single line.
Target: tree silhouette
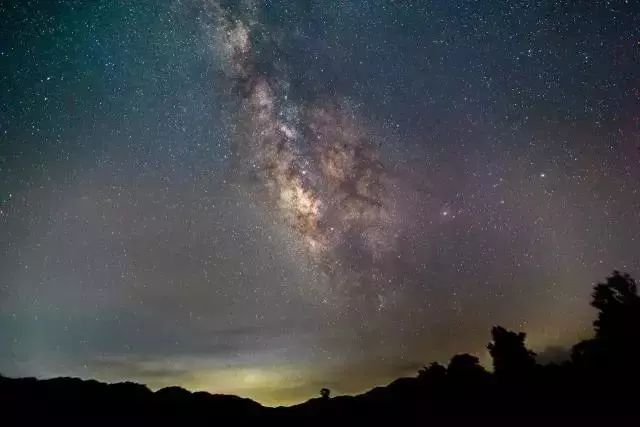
[(616, 344), (618, 307), (510, 356), (434, 371), (465, 367), (325, 393), (600, 380)]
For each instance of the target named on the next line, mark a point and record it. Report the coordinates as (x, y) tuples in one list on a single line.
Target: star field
[(269, 197)]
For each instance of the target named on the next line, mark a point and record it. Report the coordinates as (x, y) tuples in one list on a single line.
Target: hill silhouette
[(600, 380)]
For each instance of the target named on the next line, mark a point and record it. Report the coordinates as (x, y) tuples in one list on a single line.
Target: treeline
[(600, 379)]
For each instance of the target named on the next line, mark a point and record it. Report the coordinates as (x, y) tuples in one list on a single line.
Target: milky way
[(315, 161)]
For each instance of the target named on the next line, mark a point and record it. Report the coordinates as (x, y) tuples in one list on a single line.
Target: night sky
[(267, 197)]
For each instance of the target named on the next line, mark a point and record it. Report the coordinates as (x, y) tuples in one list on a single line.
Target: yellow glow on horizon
[(272, 386)]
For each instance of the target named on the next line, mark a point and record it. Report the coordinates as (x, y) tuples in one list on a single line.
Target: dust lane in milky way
[(320, 170)]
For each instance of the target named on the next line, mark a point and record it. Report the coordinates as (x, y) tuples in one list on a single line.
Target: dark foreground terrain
[(599, 381)]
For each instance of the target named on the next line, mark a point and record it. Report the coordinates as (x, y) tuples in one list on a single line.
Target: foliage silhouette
[(615, 348), (433, 372), (510, 356), (465, 366), (325, 393), (599, 380)]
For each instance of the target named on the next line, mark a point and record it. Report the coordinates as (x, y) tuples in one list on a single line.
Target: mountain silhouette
[(600, 380)]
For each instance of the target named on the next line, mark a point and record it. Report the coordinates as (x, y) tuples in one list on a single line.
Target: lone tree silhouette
[(325, 393), (510, 356)]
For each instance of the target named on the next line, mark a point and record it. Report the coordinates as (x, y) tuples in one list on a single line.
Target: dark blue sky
[(439, 167)]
